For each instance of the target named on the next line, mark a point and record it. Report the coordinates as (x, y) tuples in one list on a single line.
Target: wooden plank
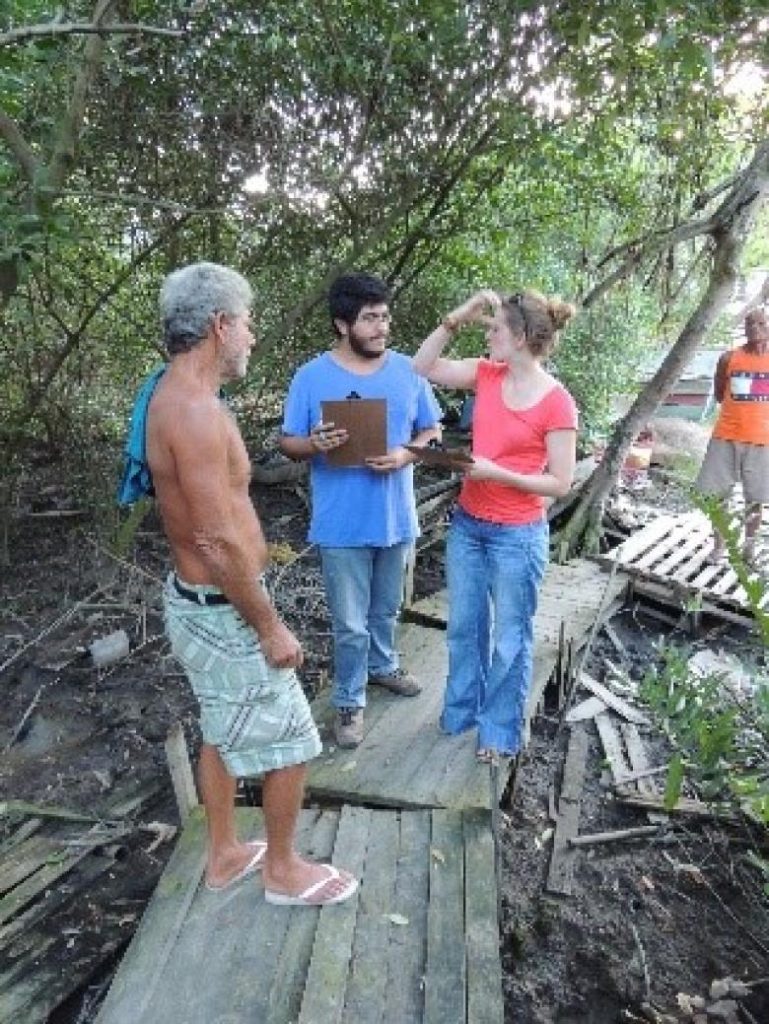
[(461, 782), (484, 973), (407, 951), (142, 967), (55, 898), (445, 972), (54, 868), (324, 992), (585, 709), (682, 806), (25, 859), (663, 548), (612, 746), (617, 704), (560, 876), (287, 983), (636, 753), (640, 542), (693, 542), (367, 992), (180, 768)]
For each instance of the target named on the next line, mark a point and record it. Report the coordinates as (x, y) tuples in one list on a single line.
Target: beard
[(359, 347)]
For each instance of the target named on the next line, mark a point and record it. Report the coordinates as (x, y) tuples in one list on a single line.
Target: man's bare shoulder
[(178, 407)]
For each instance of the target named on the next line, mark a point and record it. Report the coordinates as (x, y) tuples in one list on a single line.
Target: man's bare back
[(216, 512)]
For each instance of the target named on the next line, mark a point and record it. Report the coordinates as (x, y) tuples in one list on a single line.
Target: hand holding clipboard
[(363, 421)]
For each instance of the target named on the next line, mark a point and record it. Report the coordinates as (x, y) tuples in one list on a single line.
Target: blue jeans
[(493, 574), (364, 589)]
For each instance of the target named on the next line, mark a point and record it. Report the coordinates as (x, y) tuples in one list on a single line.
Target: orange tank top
[(744, 414)]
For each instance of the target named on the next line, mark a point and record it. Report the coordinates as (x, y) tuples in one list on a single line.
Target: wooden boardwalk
[(570, 598), (417, 943)]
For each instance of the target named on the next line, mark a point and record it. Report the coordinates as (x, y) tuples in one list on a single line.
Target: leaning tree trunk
[(728, 229)]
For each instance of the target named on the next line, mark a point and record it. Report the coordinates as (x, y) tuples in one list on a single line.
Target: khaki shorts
[(727, 463), (255, 715)]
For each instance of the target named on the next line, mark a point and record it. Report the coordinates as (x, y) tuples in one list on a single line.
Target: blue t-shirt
[(356, 507)]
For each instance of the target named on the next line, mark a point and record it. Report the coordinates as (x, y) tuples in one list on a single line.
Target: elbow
[(562, 488), (420, 366)]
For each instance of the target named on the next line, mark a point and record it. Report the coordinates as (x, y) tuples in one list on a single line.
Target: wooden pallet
[(671, 553), (418, 942)]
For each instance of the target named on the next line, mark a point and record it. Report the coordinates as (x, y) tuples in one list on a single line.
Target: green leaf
[(674, 782)]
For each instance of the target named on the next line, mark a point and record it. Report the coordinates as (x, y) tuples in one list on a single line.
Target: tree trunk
[(729, 229)]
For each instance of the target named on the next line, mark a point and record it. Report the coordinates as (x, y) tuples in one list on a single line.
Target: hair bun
[(560, 312)]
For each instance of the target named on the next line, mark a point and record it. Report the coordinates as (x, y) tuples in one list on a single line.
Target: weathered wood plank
[(58, 864), (325, 986), (407, 952), (143, 965), (287, 984), (639, 762), (612, 746), (585, 709), (560, 876), (484, 974), (640, 542), (616, 703), (445, 973), (367, 994)]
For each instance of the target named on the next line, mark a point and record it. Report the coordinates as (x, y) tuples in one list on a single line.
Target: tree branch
[(53, 28), (71, 122), (18, 145)]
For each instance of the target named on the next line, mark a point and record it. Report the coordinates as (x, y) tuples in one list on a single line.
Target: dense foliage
[(443, 145)]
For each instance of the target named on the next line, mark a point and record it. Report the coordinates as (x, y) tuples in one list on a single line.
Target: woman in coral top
[(524, 443)]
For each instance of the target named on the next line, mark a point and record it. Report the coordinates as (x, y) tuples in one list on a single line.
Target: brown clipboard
[(365, 420), (450, 458)]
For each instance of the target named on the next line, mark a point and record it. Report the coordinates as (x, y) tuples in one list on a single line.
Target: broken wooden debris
[(683, 805), (622, 707), (560, 877), (181, 771), (23, 808), (593, 839), (611, 742), (586, 709), (616, 643)]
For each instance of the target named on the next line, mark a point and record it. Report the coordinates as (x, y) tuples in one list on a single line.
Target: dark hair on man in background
[(351, 292)]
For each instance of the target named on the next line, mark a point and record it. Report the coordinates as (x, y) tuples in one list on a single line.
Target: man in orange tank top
[(738, 451)]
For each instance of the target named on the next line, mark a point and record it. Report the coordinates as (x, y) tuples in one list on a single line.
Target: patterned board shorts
[(727, 463), (255, 715)]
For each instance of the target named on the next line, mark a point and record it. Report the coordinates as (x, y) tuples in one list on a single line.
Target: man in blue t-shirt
[(364, 518)]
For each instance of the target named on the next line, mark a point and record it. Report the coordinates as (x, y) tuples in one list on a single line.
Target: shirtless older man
[(239, 656)]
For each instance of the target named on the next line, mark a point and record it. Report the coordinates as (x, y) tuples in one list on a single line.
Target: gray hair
[(193, 295)]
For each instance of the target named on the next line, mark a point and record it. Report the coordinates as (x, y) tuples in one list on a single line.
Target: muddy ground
[(650, 923)]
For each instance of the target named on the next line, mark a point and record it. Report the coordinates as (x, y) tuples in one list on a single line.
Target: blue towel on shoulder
[(137, 479)]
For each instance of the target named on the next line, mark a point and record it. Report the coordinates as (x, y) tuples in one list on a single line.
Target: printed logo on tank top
[(745, 386)]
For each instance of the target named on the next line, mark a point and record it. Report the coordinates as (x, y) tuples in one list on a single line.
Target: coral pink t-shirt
[(514, 439)]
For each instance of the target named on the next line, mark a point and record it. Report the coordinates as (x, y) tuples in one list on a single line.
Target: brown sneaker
[(348, 727), (399, 682)]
